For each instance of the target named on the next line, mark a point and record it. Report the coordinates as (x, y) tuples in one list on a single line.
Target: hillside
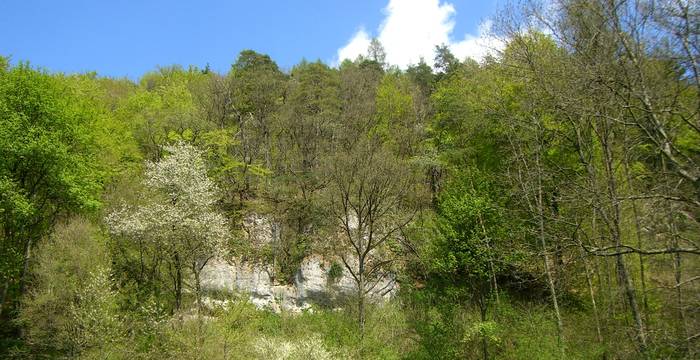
[(541, 203)]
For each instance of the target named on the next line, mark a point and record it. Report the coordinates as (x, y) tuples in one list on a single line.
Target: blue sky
[(129, 37)]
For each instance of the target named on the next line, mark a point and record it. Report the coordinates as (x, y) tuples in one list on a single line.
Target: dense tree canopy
[(541, 203), (50, 163)]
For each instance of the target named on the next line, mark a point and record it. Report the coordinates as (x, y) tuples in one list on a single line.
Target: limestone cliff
[(312, 283)]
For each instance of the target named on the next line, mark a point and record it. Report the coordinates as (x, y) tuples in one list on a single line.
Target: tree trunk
[(678, 277), (197, 288), (3, 295), (361, 305), (591, 293), (638, 229), (617, 239), (25, 266), (361, 309), (632, 300), (484, 340), (677, 271), (558, 262), (494, 282), (178, 282), (198, 293), (547, 269)]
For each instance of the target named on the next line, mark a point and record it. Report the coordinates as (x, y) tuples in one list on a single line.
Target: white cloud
[(358, 45), (477, 46), (412, 28)]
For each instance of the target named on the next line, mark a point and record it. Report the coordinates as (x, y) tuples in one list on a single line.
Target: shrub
[(71, 308)]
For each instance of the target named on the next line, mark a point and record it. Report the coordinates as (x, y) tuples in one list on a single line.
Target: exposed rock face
[(312, 283)]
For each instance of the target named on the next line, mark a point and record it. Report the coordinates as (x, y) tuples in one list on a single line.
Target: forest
[(543, 203)]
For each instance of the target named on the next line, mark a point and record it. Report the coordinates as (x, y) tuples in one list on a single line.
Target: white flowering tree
[(180, 217)]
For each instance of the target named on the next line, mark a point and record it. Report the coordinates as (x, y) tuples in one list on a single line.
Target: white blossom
[(182, 175), (310, 348), (187, 222)]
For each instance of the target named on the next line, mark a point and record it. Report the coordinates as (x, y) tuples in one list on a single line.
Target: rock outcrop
[(312, 283)]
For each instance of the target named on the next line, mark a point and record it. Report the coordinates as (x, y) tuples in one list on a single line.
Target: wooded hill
[(543, 203)]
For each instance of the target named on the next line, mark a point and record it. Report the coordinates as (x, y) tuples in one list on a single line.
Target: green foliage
[(549, 166), (304, 131), (258, 85), (422, 75), (164, 109), (47, 134), (387, 336), (471, 227), (71, 307), (335, 272), (465, 129), (50, 164), (445, 61), (397, 121), (4, 63), (118, 149), (179, 224), (482, 330)]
